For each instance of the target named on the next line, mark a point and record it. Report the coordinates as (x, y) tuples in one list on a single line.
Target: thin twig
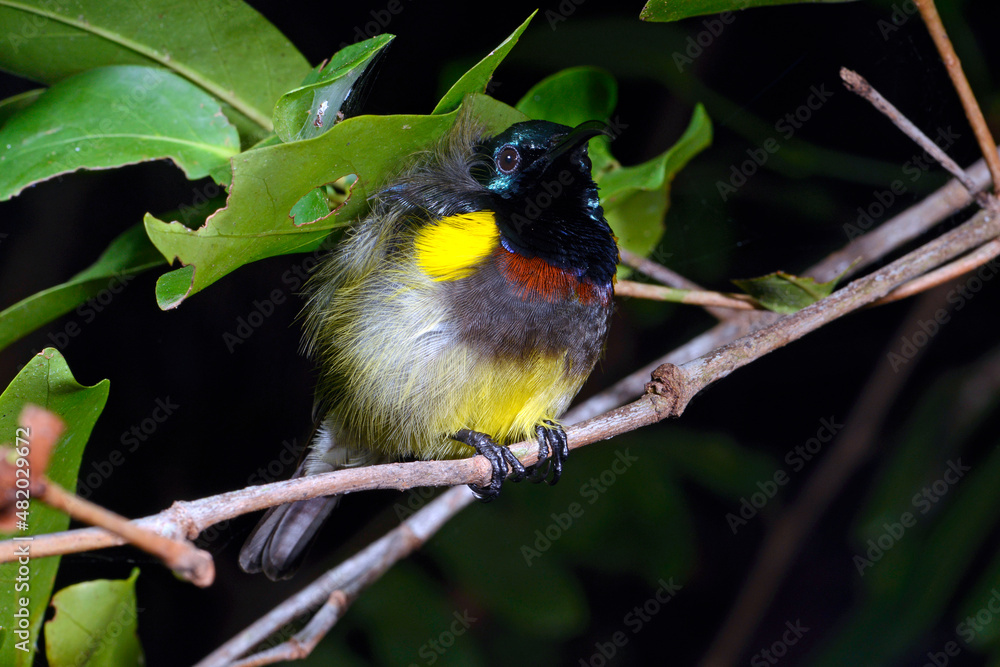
[(189, 518), (40, 431), (188, 561), (858, 84), (867, 247), (960, 266), (349, 578), (192, 517), (861, 252), (304, 641), (630, 288), (667, 395), (670, 278), (929, 12), (656, 271)]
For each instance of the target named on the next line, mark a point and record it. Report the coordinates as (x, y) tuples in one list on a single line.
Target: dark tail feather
[(283, 536)]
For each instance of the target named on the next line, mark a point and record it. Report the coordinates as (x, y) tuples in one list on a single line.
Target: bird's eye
[(508, 159)]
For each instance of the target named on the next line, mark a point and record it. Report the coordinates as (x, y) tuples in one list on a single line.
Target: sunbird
[(461, 315)]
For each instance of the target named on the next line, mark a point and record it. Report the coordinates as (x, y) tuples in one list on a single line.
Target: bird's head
[(539, 178)]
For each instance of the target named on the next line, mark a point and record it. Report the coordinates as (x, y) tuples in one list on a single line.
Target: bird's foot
[(551, 438), (501, 459)]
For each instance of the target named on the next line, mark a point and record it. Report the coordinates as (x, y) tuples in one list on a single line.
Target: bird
[(462, 314)]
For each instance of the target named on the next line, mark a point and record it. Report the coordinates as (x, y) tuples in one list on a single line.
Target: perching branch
[(961, 266), (672, 387), (45, 427), (187, 519)]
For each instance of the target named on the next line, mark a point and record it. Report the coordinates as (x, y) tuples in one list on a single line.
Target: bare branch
[(944, 46), (44, 428), (667, 395), (973, 260), (858, 84), (668, 277), (628, 288), (333, 592), (188, 561)]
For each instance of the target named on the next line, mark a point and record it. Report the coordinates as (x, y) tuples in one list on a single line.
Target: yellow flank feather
[(449, 248)]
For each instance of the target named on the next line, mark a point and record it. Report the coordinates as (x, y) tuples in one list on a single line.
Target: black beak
[(580, 134)]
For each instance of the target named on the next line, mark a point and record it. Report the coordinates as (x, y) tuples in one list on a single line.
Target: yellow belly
[(414, 413)]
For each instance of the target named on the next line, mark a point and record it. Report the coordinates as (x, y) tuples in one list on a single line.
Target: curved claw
[(551, 436), (501, 459), (540, 469)]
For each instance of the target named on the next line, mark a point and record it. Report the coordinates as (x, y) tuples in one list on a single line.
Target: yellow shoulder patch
[(449, 248)]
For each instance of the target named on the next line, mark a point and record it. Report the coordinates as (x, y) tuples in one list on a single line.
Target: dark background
[(660, 521)]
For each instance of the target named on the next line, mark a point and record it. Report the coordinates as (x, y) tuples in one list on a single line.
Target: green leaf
[(128, 255), (268, 182), (311, 110), (675, 10), (46, 381), (310, 208), (784, 293), (225, 48), (571, 97), (95, 625), (12, 105), (110, 117), (636, 198), (477, 79)]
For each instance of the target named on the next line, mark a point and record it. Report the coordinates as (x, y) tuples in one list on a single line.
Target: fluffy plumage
[(453, 307)]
